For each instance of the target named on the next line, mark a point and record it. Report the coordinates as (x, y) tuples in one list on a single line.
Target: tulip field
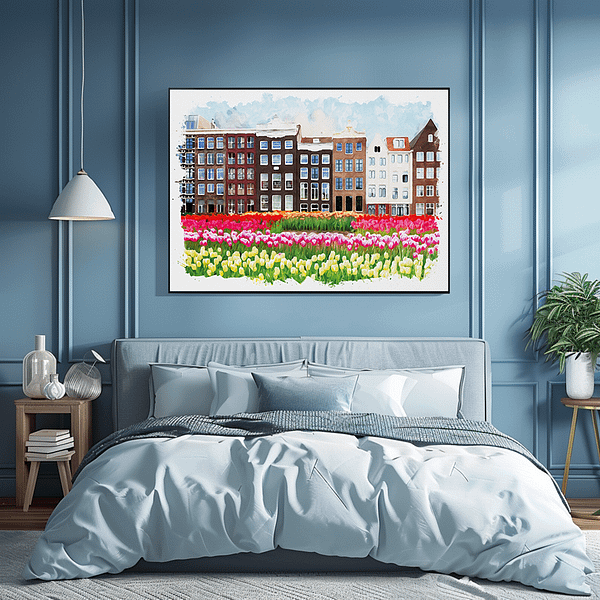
[(330, 248)]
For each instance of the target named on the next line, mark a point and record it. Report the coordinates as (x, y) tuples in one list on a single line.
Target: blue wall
[(525, 149)]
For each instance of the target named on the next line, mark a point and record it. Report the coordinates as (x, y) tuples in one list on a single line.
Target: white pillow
[(379, 392), (179, 390), (436, 393), (426, 392), (235, 390)]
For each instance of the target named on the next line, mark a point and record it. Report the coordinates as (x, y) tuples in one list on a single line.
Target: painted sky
[(320, 112)]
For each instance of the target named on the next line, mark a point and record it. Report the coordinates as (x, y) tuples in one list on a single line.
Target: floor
[(12, 518)]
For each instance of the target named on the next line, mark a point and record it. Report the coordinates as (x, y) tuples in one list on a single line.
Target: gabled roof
[(430, 125)]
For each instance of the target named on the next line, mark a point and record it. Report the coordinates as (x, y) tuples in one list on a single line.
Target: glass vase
[(38, 365)]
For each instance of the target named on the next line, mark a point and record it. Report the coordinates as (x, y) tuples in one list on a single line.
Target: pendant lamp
[(81, 199)]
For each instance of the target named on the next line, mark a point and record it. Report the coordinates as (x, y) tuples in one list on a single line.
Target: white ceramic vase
[(54, 390), (580, 376)]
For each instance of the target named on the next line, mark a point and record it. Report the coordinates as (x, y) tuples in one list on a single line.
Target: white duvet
[(471, 510)]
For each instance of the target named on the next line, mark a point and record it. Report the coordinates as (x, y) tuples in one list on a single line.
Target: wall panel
[(525, 135)]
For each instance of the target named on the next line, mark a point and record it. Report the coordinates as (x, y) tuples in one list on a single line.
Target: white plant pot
[(580, 376)]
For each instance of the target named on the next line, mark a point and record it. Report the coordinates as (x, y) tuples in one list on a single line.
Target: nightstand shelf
[(81, 430)]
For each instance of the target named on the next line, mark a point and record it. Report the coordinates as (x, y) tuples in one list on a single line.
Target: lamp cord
[(82, 77)]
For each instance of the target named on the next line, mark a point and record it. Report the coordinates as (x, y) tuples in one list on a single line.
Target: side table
[(593, 405), (81, 430)]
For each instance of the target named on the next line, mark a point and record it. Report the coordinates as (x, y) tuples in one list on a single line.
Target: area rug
[(15, 547)]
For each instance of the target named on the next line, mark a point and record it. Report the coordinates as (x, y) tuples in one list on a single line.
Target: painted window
[(314, 191), (304, 190)]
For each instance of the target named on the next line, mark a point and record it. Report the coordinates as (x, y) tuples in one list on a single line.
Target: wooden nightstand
[(81, 430), (593, 405)]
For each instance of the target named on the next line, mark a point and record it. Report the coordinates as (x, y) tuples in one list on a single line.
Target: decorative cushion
[(426, 392), (179, 390), (306, 393), (234, 388)]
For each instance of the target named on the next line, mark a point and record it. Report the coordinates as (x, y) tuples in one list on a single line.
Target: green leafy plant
[(568, 321)]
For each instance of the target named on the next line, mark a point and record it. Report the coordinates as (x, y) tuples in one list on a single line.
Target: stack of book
[(49, 443)]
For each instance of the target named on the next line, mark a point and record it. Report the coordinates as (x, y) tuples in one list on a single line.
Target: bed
[(310, 454)]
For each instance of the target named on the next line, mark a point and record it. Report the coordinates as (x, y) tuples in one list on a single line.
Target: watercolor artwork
[(309, 190)]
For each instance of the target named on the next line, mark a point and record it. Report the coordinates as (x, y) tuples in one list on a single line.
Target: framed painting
[(309, 190)]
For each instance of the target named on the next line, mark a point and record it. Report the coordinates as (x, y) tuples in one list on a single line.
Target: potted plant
[(567, 327)]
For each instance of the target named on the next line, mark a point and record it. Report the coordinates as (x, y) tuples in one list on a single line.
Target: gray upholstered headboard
[(131, 357)]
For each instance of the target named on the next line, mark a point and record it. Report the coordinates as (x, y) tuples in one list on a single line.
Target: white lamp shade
[(81, 200)]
